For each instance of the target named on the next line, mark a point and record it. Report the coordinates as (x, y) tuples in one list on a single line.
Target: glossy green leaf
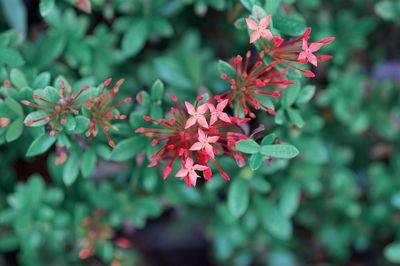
[(40, 145), (248, 146), (45, 7), (71, 169), (135, 37), (283, 151), (238, 197), (392, 252), (128, 148)]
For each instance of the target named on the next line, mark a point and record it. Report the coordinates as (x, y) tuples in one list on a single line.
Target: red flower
[(194, 145), (298, 51), (57, 110), (248, 84), (103, 112)]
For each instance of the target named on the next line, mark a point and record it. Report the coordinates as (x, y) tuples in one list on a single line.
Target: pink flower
[(217, 113), (204, 143), (197, 115), (260, 30), (307, 54), (189, 171)]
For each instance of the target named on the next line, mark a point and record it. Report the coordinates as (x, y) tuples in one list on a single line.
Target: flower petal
[(196, 146), (224, 117), (190, 122), (254, 37), (315, 46), (213, 119), (251, 24), (201, 120), (212, 139), (264, 22), (221, 106), (182, 172), (209, 150), (202, 109), (190, 108), (199, 167)]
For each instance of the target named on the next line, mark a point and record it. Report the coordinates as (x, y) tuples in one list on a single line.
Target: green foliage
[(335, 202)]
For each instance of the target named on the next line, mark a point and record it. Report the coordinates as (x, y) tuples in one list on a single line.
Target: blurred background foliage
[(337, 203)]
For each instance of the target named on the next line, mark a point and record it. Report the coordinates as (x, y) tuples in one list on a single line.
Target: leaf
[(291, 93), (269, 139), (135, 37), (226, 68), (386, 10), (71, 169), (14, 106), (157, 90), (14, 12), (290, 197), (40, 145), (36, 115), (18, 78), (81, 124), (42, 80), (88, 162), (295, 117), (272, 219), (128, 148), (238, 197), (256, 161), (248, 146), (45, 7), (283, 151), (11, 57), (289, 24), (14, 130), (271, 6), (392, 252), (306, 94)]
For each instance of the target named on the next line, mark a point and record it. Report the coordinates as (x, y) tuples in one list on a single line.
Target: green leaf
[(289, 24), (256, 161), (88, 162), (271, 6), (81, 124), (45, 7), (248, 146), (289, 200), (238, 197), (40, 145), (283, 151), (272, 219), (258, 12), (14, 130), (36, 115), (306, 94), (14, 106), (18, 79), (42, 80), (226, 68), (71, 169), (14, 12), (11, 57), (269, 139), (157, 90), (392, 252), (295, 117), (291, 93), (128, 148), (135, 37), (386, 10)]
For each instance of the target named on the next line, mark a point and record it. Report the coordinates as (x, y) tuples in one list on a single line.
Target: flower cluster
[(195, 134), (56, 111), (102, 111)]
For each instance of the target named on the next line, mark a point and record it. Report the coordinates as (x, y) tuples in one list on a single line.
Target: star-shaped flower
[(189, 171), (204, 143), (260, 30), (217, 113), (197, 116), (307, 54)]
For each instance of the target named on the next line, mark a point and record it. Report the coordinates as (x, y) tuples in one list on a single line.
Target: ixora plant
[(192, 134)]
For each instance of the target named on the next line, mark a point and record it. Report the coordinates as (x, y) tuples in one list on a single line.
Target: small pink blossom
[(197, 116), (259, 30), (204, 143), (217, 113), (307, 54), (189, 170)]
